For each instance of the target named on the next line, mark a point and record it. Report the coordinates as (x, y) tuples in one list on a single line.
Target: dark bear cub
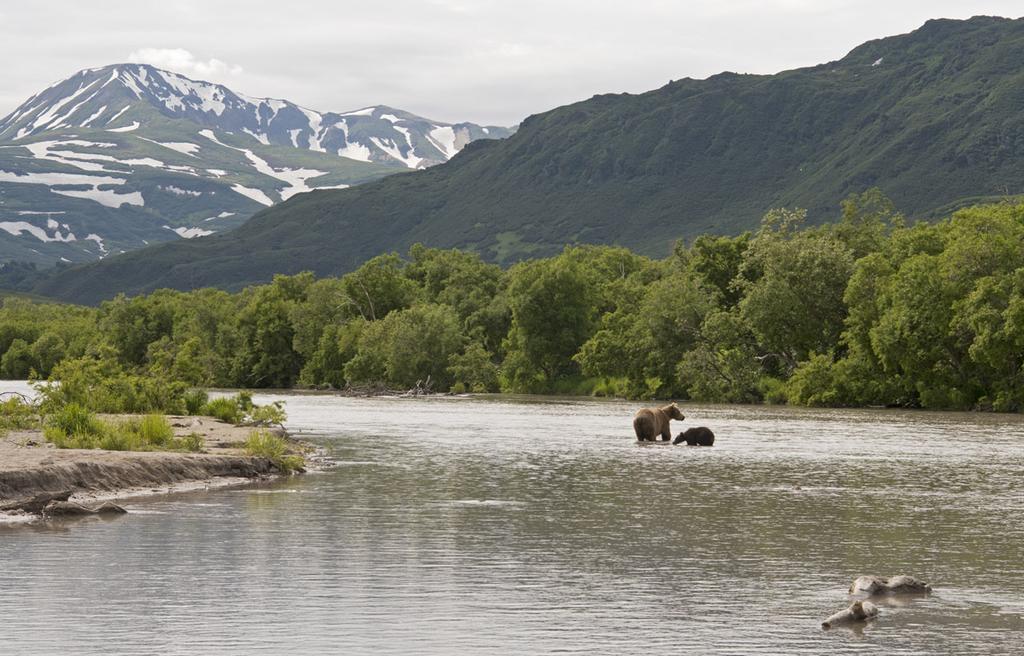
[(698, 436)]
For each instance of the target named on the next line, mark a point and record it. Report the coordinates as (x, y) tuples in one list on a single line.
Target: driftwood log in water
[(35, 504), (72, 509), (57, 504)]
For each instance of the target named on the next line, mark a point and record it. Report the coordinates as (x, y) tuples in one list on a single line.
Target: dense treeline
[(864, 311)]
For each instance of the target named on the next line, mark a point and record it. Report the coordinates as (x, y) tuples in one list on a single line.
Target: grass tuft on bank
[(265, 444), (75, 427)]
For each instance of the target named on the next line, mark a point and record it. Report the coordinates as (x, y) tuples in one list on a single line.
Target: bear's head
[(674, 412)]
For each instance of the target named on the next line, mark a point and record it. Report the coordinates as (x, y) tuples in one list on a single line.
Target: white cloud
[(182, 61)]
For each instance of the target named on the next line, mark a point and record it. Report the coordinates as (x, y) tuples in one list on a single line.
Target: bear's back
[(649, 422)]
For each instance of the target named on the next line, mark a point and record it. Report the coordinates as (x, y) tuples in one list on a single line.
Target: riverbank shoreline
[(31, 466)]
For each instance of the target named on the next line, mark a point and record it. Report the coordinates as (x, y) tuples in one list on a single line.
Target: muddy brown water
[(538, 526)]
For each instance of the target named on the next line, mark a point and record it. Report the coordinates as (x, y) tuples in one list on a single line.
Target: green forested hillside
[(934, 118)]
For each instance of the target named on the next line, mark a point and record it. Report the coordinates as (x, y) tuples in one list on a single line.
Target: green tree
[(553, 313), (132, 324), (795, 305), (716, 262), (474, 369), (462, 281), (266, 356), (378, 287), (866, 221), (18, 361), (47, 351), (408, 347), (724, 366)]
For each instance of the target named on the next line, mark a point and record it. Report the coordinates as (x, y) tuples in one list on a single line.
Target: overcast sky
[(487, 61)]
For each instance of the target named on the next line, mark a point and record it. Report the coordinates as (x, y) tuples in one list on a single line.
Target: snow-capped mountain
[(117, 157)]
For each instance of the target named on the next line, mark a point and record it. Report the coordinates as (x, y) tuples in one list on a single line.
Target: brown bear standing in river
[(650, 422)]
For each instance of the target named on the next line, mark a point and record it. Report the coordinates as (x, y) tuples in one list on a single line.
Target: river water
[(535, 526)]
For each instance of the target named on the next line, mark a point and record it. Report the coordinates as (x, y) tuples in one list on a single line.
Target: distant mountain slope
[(113, 158), (933, 117)]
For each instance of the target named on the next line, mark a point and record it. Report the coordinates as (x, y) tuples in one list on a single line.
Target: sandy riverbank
[(30, 466)]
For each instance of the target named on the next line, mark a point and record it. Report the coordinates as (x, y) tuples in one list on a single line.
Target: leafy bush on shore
[(17, 414), (195, 399), (225, 409), (100, 384), (265, 444), (240, 409), (267, 415)]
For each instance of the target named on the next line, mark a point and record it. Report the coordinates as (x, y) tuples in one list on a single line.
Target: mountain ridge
[(271, 121), (932, 117), (129, 154)]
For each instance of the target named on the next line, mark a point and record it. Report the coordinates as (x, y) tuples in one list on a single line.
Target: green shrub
[(16, 413), (240, 409), (265, 444), (116, 439), (192, 442), (73, 419), (55, 436), (195, 399), (268, 415), (155, 431), (225, 409), (101, 384), (773, 390), (473, 369)]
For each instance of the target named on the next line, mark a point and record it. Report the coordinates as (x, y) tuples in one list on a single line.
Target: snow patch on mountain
[(262, 138), (128, 128), (294, 178), (47, 150), (351, 150), (392, 149), (222, 215), (183, 147), (443, 137), (253, 194), (115, 116), (189, 233), (106, 197), (16, 228), (178, 191), (99, 242), (315, 136), (50, 115)]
